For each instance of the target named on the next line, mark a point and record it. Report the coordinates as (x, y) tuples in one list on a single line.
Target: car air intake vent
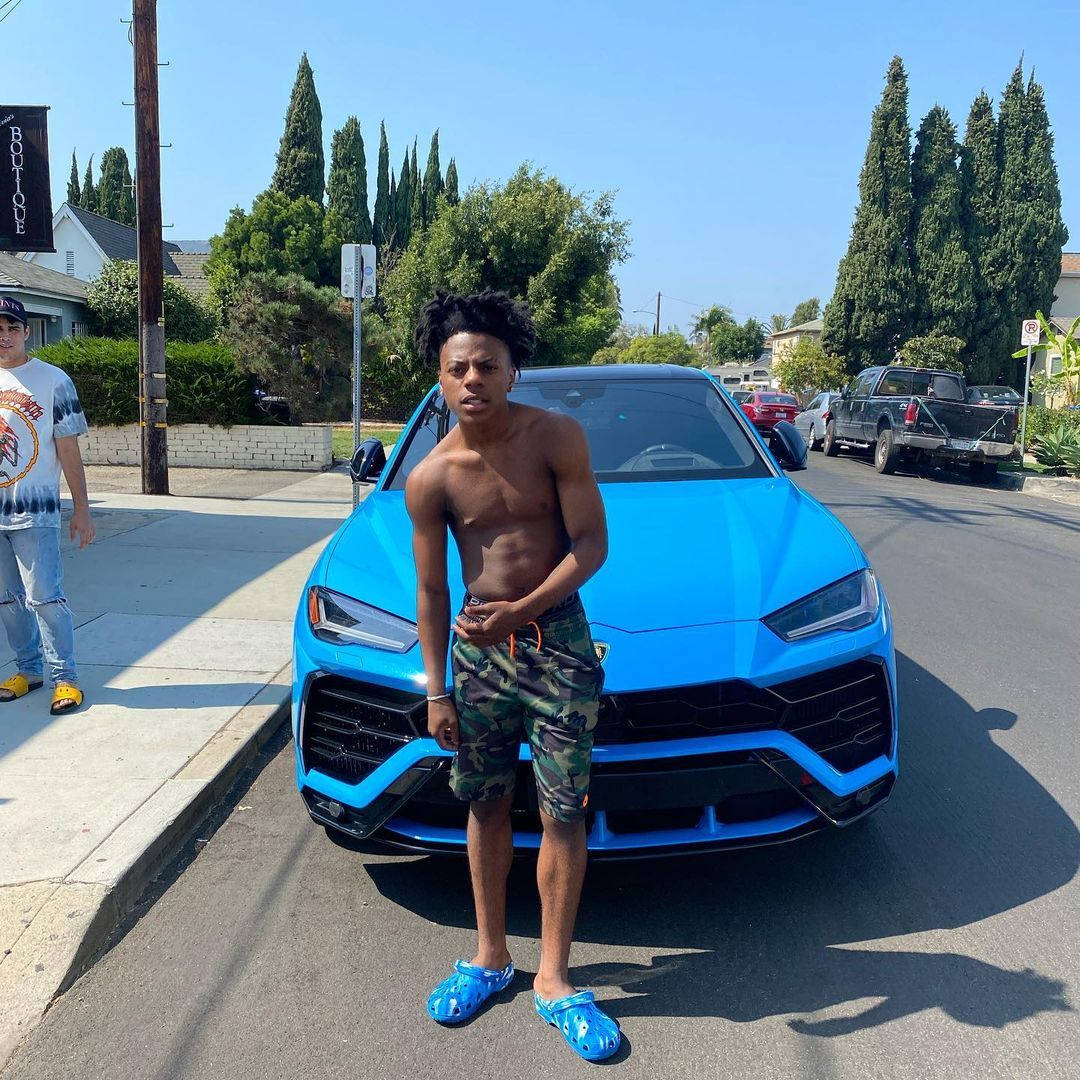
[(348, 728)]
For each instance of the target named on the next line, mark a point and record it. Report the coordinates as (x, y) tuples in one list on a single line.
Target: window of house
[(1055, 365), (71, 263)]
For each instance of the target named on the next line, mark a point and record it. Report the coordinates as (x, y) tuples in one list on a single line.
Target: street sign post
[(357, 283), (1030, 332)]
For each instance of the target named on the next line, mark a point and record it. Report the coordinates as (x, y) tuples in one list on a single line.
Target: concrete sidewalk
[(183, 610)]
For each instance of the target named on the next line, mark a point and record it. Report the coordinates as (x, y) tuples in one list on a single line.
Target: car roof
[(611, 373)]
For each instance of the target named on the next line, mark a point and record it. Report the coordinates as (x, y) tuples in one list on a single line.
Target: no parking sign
[(1030, 332)]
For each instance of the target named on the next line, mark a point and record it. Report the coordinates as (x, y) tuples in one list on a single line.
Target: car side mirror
[(788, 446), (367, 461)]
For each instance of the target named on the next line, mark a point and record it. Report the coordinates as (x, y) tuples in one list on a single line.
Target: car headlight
[(848, 604), (335, 617)]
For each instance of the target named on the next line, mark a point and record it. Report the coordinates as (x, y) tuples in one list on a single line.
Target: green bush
[(1060, 449), (205, 383), (1042, 421)]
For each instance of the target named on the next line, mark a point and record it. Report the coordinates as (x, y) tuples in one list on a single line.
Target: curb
[(1048, 487), (66, 932)]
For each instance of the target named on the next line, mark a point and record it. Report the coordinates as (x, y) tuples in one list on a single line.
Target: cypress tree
[(943, 286), (392, 237), (382, 224), (452, 196), (73, 192), (403, 205), (301, 168), (114, 192), (346, 188), (433, 181), (88, 196), (979, 181), (417, 194), (870, 312)]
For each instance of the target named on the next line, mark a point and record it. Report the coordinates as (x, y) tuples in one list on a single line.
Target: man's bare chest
[(502, 495)]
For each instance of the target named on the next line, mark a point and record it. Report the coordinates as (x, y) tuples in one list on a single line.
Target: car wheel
[(812, 440), (829, 445), (886, 453)]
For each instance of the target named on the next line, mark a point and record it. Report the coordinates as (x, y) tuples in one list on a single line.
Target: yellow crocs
[(65, 698), (16, 687)]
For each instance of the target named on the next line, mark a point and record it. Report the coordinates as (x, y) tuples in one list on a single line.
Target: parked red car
[(766, 408)]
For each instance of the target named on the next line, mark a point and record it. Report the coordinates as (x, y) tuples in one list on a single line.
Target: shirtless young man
[(514, 486)]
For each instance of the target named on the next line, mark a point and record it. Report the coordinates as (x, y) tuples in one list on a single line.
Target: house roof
[(191, 272), (811, 327), (118, 241), (193, 247), (16, 274), (1070, 262)]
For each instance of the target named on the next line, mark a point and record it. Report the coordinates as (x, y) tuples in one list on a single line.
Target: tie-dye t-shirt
[(38, 404)]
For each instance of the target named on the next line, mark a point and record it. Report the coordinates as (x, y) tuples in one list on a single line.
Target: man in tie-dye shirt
[(40, 421)]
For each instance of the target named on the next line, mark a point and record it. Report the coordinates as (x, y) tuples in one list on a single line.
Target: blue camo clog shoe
[(459, 997), (587, 1029)]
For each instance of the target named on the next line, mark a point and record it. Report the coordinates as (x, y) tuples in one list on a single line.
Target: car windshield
[(998, 393), (777, 399), (637, 429)]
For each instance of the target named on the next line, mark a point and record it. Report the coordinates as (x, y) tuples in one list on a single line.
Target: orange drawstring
[(539, 638)]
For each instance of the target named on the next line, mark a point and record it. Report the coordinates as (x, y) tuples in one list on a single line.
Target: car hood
[(681, 553)]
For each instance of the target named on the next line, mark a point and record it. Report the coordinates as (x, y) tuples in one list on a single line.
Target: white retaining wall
[(242, 447)]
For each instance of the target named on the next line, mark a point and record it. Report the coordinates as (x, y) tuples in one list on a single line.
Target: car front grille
[(844, 714), (349, 728)]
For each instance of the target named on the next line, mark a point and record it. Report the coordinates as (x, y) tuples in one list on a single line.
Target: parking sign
[(1030, 332)]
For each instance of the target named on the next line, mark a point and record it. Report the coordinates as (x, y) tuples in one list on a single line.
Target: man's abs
[(510, 563)]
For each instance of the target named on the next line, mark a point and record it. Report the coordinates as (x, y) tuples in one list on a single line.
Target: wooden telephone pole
[(155, 459)]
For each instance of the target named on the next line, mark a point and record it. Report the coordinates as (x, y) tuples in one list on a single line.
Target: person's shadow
[(969, 833)]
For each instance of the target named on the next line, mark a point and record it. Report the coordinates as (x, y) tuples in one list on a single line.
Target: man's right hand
[(442, 723)]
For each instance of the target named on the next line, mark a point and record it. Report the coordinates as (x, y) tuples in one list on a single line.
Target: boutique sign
[(25, 197)]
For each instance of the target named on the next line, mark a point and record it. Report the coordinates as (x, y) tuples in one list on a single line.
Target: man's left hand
[(82, 527), (499, 620)]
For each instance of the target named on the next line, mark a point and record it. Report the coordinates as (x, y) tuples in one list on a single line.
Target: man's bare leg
[(491, 851), (560, 872)]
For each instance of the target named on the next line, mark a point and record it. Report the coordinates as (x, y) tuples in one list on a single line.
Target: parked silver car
[(810, 423)]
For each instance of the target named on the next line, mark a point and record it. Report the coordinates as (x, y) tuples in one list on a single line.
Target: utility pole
[(656, 325), (155, 457)]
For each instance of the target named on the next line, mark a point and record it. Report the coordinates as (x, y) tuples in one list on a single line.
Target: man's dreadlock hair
[(488, 312)]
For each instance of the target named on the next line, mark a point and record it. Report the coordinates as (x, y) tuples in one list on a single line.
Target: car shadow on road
[(968, 834)]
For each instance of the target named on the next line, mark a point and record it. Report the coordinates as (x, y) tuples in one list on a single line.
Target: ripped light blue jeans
[(33, 607)]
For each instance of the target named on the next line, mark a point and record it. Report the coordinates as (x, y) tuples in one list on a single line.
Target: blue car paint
[(769, 544)]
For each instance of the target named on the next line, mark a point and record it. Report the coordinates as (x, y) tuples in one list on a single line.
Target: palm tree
[(778, 323), (707, 322)]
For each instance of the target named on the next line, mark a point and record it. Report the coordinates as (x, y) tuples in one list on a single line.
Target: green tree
[(301, 169), (536, 240), (73, 192), (280, 235), (870, 310), (944, 294), (417, 209), (114, 192), (112, 301), (730, 343), (383, 221), (806, 311), (807, 368), (452, 196), (88, 197), (346, 188), (433, 181), (403, 199), (932, 351), (669, 348), (778, 323), (707, 323), (979, 182), (297, 338)]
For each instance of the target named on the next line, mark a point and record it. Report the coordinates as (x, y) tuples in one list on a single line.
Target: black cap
[(13, 309)]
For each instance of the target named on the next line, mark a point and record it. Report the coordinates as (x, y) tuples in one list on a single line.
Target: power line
[(11, 11)]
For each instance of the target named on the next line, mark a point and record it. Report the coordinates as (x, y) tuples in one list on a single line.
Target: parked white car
[(810, 423)]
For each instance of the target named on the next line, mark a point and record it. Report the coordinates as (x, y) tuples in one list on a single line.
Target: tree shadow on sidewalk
[(968, 834)]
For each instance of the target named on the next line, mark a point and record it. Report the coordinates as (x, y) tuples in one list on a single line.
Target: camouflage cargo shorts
[(546, 689)]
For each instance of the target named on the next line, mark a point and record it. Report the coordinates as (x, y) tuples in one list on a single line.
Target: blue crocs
[(588, 1030), (456, 999)]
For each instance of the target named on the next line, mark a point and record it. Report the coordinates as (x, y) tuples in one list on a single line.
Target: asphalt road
[(938, 939)]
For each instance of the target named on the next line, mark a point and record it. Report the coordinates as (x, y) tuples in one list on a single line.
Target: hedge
[(1041, 421), (205, 383)]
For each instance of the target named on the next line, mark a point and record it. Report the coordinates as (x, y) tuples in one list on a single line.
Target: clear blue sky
[(732, 132)]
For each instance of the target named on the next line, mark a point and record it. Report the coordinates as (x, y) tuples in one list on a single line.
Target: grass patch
[(1029, 467), (343, 437)]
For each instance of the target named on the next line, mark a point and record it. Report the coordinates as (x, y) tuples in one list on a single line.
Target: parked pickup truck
[(907, 414)]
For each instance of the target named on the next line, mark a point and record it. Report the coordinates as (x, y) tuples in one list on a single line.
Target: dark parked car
[(1002, 396), (766, 408), (914, 414), (741, 396)]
